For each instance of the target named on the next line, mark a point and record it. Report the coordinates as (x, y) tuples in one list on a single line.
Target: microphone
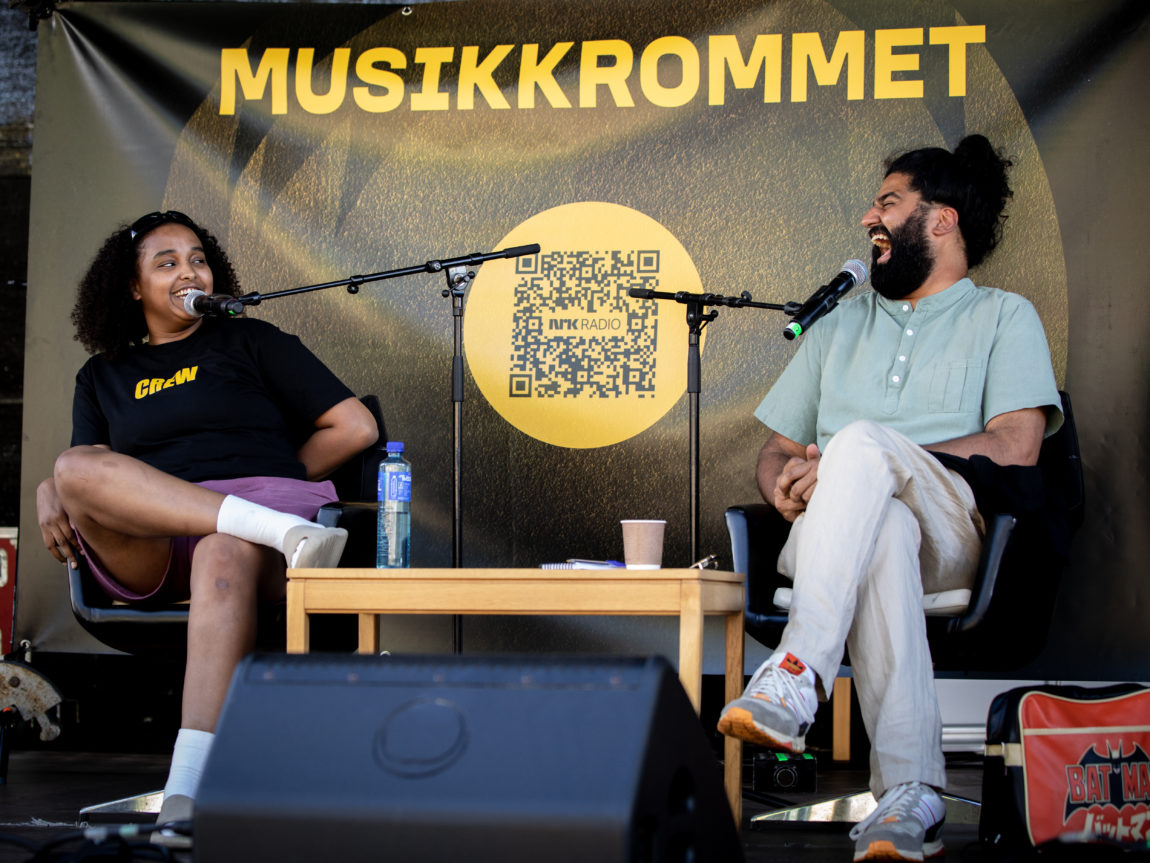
[(853, 273), (199, 304)]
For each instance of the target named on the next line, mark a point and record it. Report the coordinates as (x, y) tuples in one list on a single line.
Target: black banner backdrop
[(713, 147)]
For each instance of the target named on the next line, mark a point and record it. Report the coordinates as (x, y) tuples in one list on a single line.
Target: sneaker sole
[(172, 841), (738, 722), (175, 808), (309, 546), (884, 849)]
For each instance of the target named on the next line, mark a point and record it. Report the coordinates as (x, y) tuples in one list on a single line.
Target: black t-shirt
[(235, 398)]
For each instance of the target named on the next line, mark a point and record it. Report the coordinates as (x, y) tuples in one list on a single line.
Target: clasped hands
[(796, 483)]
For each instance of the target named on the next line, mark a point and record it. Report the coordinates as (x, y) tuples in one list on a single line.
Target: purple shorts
[(296, 496)]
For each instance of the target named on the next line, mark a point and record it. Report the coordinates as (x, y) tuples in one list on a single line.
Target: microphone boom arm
[(742, 301), (353, 283)]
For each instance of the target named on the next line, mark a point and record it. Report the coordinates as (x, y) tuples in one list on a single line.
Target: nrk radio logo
[(1114, 792), (555, 341)]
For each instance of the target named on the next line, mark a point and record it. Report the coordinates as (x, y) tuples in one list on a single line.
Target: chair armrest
[(998, 534), (758, 533), (101, 609)]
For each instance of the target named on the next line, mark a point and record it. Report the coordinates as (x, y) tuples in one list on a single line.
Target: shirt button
[(895, 378), (902, 359), (910, 332), (906, 308)]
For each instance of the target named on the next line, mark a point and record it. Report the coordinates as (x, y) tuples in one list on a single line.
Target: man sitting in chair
[(871, 426)]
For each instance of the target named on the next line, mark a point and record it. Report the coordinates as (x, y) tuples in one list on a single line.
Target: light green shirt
[(935, 371)]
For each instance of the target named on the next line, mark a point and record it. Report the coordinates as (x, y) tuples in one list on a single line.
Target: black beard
[(911, 259)]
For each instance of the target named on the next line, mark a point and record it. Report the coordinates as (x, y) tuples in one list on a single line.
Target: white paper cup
[(643, 542)]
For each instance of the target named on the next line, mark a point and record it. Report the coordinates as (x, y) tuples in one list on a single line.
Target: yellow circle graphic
[(556, 344)]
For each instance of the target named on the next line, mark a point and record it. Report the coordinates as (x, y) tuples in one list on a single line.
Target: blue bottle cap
[(395, 446)]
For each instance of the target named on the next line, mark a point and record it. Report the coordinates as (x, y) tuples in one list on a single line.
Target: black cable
[(122, 842)]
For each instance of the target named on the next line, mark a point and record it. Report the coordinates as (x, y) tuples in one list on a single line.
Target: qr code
[(576, 332)]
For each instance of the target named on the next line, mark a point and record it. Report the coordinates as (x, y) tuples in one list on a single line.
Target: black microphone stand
[(696, 321), (459, 276)]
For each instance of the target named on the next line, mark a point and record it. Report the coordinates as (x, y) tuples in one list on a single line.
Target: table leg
[(691, 641), (298, 628), (368, 633), (732, 689)]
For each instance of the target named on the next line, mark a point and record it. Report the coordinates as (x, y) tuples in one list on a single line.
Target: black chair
[(1005, 624), (143, 629)]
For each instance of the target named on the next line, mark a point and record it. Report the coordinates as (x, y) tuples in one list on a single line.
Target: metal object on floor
[(25, 696), (32, 694), (138, 809), (852, 808)]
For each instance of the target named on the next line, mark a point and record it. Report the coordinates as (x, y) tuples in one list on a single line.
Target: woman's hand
[(55, 527)]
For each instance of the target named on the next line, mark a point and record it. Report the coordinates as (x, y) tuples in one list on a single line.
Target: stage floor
[(46, 790)]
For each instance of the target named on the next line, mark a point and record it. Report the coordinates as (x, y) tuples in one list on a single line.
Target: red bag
[(1067, 763)]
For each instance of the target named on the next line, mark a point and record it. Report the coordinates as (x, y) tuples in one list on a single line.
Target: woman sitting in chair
[(199, 448)]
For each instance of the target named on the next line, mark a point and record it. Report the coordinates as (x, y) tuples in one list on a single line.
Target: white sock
[(188, 758), (255, 522)]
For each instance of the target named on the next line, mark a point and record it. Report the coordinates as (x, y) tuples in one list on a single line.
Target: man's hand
[(796, 483), (787, 473), (55, 527)]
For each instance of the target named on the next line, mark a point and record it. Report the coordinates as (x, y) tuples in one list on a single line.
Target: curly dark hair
[(972, 179), (107, 319)]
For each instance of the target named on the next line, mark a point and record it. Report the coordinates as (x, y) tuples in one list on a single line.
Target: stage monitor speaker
[(358, 758)]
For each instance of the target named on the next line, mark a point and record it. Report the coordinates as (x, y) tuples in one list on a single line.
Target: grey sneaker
[(176, 809), (905, 825), (776, 708)]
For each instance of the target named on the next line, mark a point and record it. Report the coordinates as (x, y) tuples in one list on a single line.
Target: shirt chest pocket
[(956, 387)]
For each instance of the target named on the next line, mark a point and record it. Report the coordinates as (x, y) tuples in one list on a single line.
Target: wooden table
[(688, 594)]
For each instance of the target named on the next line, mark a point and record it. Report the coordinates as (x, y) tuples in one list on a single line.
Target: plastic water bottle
[(393, 537)]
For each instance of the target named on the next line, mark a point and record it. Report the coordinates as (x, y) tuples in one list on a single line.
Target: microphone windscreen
[(857, 270), (190, 302)]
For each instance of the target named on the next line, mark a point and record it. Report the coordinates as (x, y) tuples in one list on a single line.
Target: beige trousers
[(887, 522)]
